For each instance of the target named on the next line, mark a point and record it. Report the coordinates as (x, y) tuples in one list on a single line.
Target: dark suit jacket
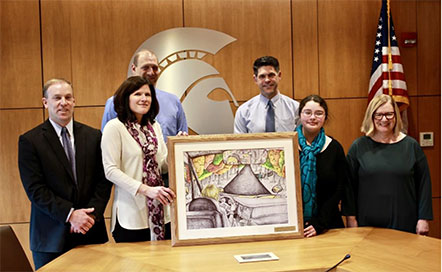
[(48, 181)]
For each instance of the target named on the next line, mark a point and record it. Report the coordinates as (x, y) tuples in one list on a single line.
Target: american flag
[(387, 73)]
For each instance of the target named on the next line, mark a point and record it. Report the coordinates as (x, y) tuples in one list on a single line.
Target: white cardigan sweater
[(123, 166)]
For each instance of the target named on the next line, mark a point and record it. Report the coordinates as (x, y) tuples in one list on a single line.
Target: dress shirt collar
[(274, 99), (69, 127)]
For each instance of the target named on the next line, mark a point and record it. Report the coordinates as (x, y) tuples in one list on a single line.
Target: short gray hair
[(54, 81)]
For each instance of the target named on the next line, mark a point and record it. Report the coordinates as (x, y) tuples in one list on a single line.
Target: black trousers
[(42, 258), (122, 235), (96, 235)]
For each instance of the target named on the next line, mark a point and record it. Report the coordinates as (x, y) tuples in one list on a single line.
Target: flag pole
[(390, 60)]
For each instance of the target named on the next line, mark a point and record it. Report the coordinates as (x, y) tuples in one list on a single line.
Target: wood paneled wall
[(20, 55), (324, 47)]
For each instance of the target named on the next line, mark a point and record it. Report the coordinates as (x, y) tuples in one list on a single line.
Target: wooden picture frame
[(235, 188)]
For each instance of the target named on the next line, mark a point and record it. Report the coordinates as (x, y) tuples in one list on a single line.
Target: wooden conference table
[(371, 249)]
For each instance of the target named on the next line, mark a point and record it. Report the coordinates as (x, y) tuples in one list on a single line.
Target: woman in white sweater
[(134, 156)]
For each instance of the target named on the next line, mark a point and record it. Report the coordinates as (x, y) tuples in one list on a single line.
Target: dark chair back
[(12, 256)]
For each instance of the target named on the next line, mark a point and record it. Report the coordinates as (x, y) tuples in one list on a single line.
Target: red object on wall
[(408, 39)]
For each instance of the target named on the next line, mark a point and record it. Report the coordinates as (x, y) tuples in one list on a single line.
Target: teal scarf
[(308, 171)]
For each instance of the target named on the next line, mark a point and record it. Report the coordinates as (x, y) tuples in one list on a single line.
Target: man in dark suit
[(62, 173)]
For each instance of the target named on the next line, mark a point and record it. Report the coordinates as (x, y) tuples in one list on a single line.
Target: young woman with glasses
[(324, 171), (389, 172)]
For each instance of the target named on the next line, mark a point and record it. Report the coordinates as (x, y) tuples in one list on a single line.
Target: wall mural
[(184, 73)]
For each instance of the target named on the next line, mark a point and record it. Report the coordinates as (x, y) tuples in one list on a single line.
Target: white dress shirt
[(251, 116)]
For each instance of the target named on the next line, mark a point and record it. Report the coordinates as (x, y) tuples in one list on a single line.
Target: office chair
[(12, 256)]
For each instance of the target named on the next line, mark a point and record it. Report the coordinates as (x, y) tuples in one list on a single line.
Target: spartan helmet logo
[(185, 74)]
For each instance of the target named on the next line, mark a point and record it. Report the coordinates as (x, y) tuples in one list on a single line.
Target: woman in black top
[(324, 171), (389, 172)]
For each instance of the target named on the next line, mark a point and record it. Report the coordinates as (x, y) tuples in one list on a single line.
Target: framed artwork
[(235, 188)]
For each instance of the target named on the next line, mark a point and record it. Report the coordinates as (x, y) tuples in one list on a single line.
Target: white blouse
[(123, 166)]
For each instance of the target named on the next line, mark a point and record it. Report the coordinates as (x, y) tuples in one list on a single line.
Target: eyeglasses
[(317, 114), (379, 116)]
